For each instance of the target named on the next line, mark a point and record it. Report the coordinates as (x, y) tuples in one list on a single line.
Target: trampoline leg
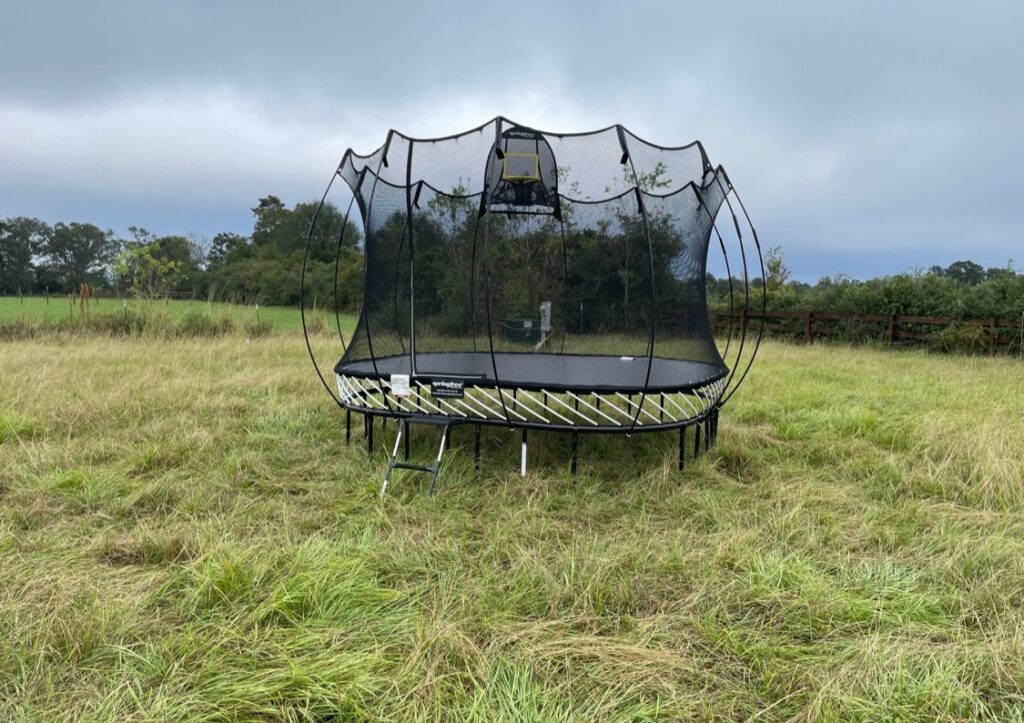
[(476, 449), (437, 462), (369, 434), (575, 450), (661, 410), (408, 433), (522, 457), (682, 448), (696, 440), (447, 440), (348, 426), (707, 434)]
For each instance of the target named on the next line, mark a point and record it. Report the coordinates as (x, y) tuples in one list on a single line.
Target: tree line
[(962, 290), (264, 266)]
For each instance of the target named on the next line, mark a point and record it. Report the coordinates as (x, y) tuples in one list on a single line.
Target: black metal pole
[(348, 426), (575, 450), (682, 448), (408, 433), (696, 440)]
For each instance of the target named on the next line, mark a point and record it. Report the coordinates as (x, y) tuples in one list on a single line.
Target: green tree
[(142, 268), (21, 241), (79, 252), (965, 272)]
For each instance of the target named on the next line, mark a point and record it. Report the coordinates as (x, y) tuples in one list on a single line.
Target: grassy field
[(183, 534), (282, 318)]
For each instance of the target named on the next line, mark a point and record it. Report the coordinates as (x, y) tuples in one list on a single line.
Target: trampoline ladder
[(394, 463)]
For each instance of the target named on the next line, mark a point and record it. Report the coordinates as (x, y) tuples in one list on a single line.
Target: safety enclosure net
[(507, 257)]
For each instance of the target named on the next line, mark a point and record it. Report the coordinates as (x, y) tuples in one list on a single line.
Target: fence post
[(992, 336), (892, 328), (809, 331)]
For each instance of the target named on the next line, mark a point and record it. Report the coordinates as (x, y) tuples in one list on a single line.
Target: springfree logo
[(448, 388)]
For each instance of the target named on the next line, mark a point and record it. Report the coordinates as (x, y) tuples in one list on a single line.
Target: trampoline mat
[(553, 372)]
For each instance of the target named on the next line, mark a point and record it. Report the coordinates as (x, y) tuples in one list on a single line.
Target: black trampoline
[(541, 280), (540, 372)]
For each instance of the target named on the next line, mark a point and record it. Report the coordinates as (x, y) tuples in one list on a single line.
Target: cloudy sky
[(866, 137)]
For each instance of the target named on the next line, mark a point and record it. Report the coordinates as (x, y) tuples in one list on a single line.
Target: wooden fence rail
[(997, 333)]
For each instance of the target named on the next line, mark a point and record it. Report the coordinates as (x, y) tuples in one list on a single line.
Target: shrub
[(960, 338), (255, 329), (197, 323)]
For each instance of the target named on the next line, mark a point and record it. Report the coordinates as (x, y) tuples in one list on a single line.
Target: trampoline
[(539, 280)]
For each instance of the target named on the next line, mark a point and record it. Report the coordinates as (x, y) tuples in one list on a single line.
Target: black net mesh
[(512, 256)]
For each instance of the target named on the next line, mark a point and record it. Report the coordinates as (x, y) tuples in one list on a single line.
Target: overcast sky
[(865, 137)]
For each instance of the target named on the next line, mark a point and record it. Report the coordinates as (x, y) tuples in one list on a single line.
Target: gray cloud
[(866, 137)]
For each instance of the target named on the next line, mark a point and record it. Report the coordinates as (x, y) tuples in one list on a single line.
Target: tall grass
[(184, 535), (156, 319)]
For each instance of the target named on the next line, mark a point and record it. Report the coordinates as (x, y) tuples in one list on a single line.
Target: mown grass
[(37, 310), (184, 535), (158, 319)]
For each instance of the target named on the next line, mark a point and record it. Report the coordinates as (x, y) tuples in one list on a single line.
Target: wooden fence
[(992, 335)]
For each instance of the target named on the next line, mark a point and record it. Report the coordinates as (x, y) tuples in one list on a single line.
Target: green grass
[(184, 535), (283, 318)]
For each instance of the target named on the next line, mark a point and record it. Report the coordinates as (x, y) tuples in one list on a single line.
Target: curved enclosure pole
[(746, 283), (412, 263), (302, 290), (565, 286), (650, 264), (764, 298), (490, 329), (337, 262), (728, 270), (366, 264), (398, 263), (472, 280), (485, 214)]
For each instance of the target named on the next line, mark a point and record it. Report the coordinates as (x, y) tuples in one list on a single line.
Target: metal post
[(682, 448), (522, 457), (696, 440), (437, 462), (476, 449), (348, 426), (575, 449), (408, 433), (707, 434), (369, 434)]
